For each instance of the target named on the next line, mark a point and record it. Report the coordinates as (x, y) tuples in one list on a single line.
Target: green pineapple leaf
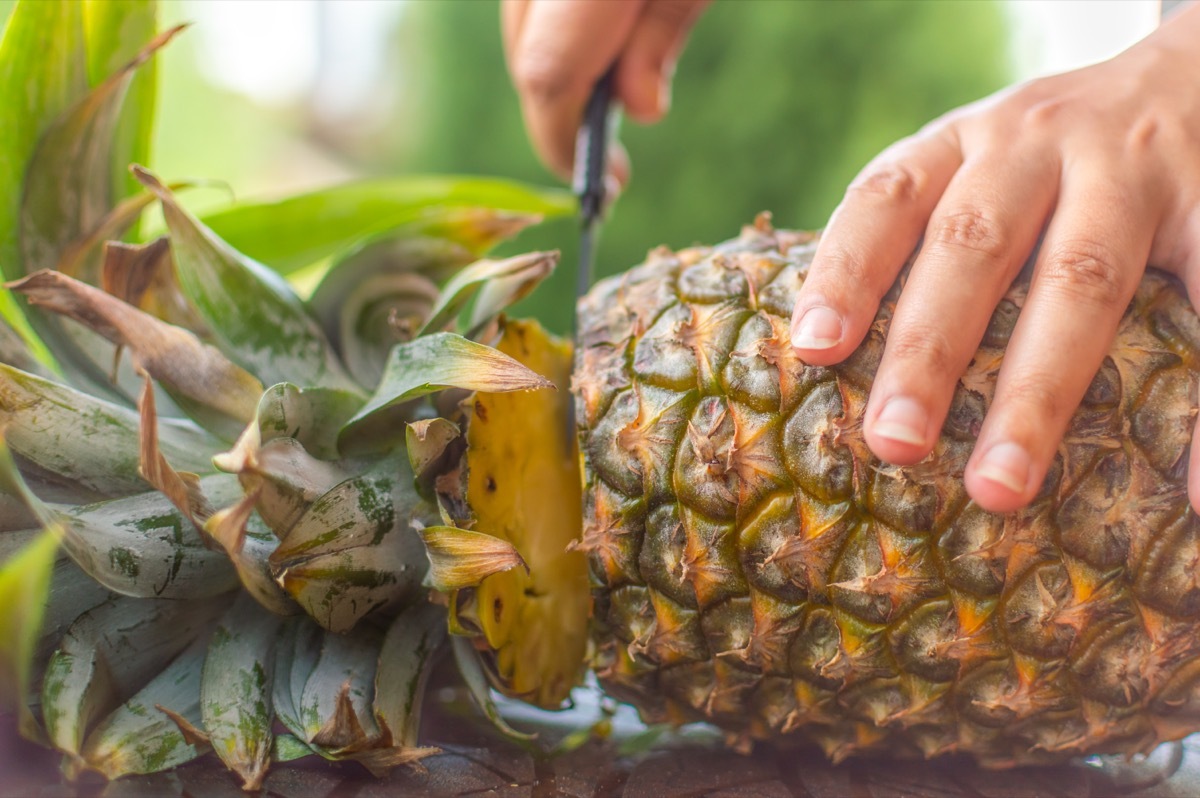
[(426, 365), (68, 194), (295, 232), (255, 317), (25, 578), (115, 32), (312, 416), (476, 680), (518, 274), (235, 691), (297, 650)]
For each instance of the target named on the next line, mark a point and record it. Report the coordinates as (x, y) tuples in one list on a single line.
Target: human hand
[(1106, 162), (558, 49)]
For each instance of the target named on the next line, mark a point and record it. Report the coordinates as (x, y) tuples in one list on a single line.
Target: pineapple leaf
[(68, 194), (150, 732), (296, 653), (335, 705), (86, 441), (461, 558), (411, 650), (285, 477), (42, 72), (256, 318), (475, 677), (235, 691), (249, 544), (143, 546), (24, 591), (518, 275), (289, 748), (313, 416), (297, 231), (353, 551), (112, 652), (13, 347), (218, 394), (115, 32), (427, 442), (432, 363), (13, 485)]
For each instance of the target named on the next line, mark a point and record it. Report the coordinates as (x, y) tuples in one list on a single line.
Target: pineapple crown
[(209, 525)]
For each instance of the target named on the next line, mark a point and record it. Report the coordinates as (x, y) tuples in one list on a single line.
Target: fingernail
[(1006, 464), (664, 95), (902, 420), (818, 328)]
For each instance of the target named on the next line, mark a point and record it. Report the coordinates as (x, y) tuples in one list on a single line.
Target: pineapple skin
[(755, 566)]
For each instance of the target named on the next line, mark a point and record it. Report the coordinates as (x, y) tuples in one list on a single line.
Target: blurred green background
[(777, 104)]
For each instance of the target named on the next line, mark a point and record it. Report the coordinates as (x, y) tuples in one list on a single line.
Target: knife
[(591, 161)]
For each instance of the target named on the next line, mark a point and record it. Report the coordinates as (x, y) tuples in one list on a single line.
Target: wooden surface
[(476, 762)]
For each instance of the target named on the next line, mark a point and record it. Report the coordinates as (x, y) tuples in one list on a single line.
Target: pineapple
[(755, 566)]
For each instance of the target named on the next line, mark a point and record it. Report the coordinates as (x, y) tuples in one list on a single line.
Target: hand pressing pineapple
[(1101, 165)]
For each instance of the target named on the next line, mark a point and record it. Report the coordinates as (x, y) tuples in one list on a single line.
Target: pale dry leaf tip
[(192, 735), (461, 558)]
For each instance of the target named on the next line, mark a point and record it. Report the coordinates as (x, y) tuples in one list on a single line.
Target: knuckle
[(841, 265), (1084, 271), (1032, 397), (924, 348), (972, 229), (1043, 109), (539, 75), (895, 182)]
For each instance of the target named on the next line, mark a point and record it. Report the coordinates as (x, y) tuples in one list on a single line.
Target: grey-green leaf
[(411, 651), (312, 416), (254, 315), (354, 550), (143, 546), (140, 737), (235, 693), (109, 654), (88, 441)]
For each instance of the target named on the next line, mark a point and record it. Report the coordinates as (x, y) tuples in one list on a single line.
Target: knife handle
[(591, 148)]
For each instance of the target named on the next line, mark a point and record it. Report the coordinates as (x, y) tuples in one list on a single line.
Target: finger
[(647, 64), (562, 50), (870, 237), (1089, 266), (1194, 470), (979, 236), (512, 18)]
